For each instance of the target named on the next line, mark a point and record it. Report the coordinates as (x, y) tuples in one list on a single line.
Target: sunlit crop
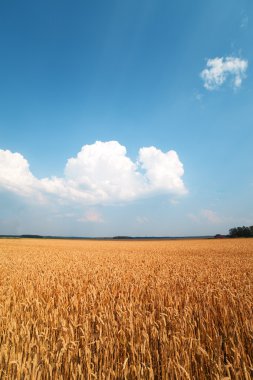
[(126, 310)]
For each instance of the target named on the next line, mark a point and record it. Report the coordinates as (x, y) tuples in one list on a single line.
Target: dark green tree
[(241, 231)]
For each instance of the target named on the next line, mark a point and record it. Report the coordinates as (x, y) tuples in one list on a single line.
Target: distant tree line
[(241, 231), (31, 236)]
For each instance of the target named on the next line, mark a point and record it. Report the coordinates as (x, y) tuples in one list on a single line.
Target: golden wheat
[(126, 310)]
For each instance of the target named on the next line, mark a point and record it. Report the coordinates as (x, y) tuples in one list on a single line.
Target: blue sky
[(93, 96)]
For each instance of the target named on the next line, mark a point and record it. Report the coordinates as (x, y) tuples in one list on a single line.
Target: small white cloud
[(194, 218), (220, 69), (211, 216), (198, 96), (244, 21), (174, 201), (100, 173), (205, 215), (64, 215), (92, 216), (142, 219)]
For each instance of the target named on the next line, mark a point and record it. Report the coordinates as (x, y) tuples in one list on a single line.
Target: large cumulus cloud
[(100, 173), (15, 174)]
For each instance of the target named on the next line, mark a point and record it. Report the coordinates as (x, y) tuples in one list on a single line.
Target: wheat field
[(126, 309)]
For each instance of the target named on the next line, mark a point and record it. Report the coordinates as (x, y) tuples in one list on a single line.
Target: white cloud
[(220, 69), (100, 173), (174, 201), (92, 216), (142, 219), (244, 20), (211, 216), (198, 96), (194, 218), (15, 174), (206, 215), (104, 171), (163, 170)]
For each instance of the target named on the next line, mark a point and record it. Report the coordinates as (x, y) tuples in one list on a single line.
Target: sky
[(126, 117)]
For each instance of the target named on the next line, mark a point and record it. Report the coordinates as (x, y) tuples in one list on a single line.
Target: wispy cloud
[(142, 219), (198, 96), (92, 216), (244, 20), (174, 201), (206, 215), (100, 173), (211, 216), (219, 70), (194, 218)]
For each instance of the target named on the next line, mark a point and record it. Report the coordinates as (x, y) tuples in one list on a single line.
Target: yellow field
[(126, 310)]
